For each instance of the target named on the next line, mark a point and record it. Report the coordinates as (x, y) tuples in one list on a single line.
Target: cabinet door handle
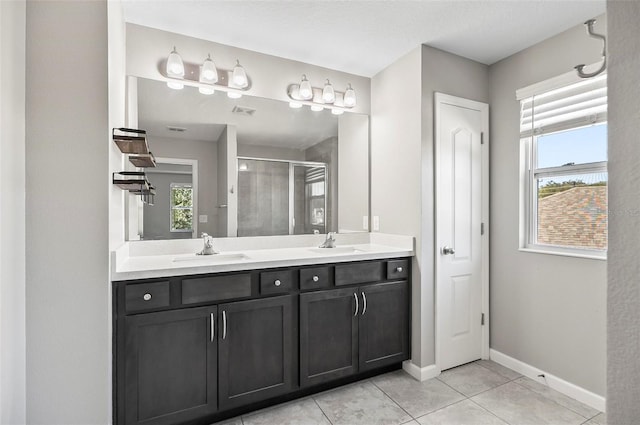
[(213, 323), (224, 324), (355, 296), (364, 303)]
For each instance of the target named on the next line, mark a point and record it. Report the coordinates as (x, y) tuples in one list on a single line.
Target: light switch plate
[(203, 218), (365, 222), (376, 223)]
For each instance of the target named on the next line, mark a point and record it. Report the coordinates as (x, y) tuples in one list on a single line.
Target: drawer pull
[(316, 278), (399, 269), (277, 282), (146, 296)]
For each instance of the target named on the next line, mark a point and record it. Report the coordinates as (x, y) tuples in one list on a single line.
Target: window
[(563, 133), (181, 207)]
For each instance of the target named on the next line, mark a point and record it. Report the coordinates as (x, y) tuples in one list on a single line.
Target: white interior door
[(460, 188)]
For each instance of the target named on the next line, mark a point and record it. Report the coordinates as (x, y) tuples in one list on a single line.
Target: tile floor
[(479, 393)]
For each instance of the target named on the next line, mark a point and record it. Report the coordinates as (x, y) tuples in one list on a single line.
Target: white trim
[(589, 254), (439, 99), (194, 184), (420, 373), (565, 387)]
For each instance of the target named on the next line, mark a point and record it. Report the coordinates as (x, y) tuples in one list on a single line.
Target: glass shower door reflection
[(263, 198)]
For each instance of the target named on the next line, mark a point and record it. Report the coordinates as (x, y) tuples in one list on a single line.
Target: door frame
[(439, 100)]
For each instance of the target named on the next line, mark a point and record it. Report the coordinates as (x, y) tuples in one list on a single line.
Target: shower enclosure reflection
[(278, 197)]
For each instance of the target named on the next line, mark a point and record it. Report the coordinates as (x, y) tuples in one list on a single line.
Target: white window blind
[(570, 106)]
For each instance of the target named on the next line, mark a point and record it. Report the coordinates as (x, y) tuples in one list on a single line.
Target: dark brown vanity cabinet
[(171, 366), (197, 349), (350, 330)]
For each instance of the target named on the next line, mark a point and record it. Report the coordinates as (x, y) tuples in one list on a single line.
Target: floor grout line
[(489, 411), (391, 398), (323, 412)]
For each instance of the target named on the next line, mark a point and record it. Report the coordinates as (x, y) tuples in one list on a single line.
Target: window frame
[(529, 185), (173, 207)]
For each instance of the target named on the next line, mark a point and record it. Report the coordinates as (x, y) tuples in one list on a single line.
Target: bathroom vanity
[(197, 343)]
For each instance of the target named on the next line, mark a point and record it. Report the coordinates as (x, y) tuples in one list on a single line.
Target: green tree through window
[(181, 207)]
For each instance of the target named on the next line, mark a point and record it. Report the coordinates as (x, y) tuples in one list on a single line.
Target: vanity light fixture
[(234, 95), (319, 99), (208, 75), (175, 69), (305, 90), (328, 94), (349, 98), (239, 76)]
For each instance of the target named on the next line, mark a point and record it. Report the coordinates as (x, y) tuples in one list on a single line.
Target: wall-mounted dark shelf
[(131, 180), (143, 160), (131, 141)]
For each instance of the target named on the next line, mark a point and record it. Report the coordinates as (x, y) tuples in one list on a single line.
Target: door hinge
[(482, 228), (482, 138), (482, 319)]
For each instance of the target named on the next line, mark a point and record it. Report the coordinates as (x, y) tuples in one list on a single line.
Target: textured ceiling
[(364, 37)]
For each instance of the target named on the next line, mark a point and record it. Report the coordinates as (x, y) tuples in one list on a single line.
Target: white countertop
[(152, 259)]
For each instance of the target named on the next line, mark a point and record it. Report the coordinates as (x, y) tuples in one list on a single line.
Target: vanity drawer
[(397, 269), (216, 288), (276, 282), (314, 278), (146, 296), (349, 274)]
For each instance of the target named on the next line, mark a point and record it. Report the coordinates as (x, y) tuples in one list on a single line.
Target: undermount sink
[(215, 258), (337, 250)]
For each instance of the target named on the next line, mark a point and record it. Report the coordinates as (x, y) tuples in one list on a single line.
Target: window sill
[(590, 255)]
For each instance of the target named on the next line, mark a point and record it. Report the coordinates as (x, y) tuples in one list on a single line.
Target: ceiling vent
[(243, 110), (176, 129)]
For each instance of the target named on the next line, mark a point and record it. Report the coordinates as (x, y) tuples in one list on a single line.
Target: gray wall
[(623, 306), (402, 163), (546, 310), (353, 172), (12, 213), (206, 153), (67, 248), (157, 222)]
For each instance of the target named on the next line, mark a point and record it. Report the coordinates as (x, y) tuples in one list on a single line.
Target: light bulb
[(239, 76), (337, 111), (175, 67), (349, 97), (317, 108), (306, 91), (295, 105), (206, 90), (328, 95), (175, 85), (208, 73), (234, 95)]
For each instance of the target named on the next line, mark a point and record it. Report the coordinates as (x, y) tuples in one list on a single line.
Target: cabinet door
[(328, 335), (170, 366), (255, 349), (384, 324)]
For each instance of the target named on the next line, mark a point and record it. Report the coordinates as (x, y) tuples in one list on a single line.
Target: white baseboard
[(567, 388), (420, 373)]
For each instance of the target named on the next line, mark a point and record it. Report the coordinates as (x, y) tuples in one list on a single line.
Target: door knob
[(447, 250)]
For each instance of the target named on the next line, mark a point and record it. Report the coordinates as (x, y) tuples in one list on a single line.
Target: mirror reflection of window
[(181, 207)]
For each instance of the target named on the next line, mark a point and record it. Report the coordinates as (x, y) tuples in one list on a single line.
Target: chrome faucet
[(208, 246), (330, 242)]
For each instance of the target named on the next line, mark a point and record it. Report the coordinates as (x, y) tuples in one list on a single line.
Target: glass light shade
[(206, 90), (175, 67), (234, 95), (175, 85), (317, 108), (208, 73), (306, 91), (328, 94), (239, 76), (295, 105), (337, 111), (349, 97)]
